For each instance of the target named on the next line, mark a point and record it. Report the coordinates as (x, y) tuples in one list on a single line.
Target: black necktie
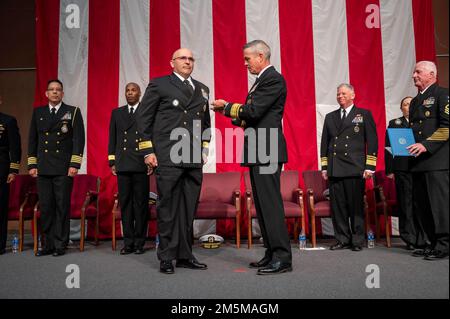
[(344, 115), (131, 111), (189, 86), (53, 113)]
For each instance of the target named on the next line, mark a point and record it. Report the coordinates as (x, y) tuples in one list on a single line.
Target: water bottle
[(15, 244), (302, 241), (156, 241), (370, 239), (39, 243)]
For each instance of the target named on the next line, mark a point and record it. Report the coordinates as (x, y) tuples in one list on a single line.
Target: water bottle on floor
[(15, 244), (302, 241), (370, 239)]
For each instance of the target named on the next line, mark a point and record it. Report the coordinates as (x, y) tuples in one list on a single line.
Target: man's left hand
[(72, 171), (11, 178), (416, 149), (367, 174)]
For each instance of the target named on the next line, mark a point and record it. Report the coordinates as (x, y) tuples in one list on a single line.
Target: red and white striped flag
[(96, 46)]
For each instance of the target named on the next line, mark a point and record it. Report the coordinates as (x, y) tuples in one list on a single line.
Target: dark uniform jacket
[(10, 149), (169, 107), (428, 115), (123, 147), (398, 163), (263, 109), (56, 145), (347, 150)]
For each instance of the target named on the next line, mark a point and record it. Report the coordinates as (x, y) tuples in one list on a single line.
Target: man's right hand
[(325, 175), (151, 161), (33, 172), (113, 170)]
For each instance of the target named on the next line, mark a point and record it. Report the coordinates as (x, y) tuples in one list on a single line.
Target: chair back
[(82, 184), (315, 181), (21, 185), (288, 183), (219, 187)]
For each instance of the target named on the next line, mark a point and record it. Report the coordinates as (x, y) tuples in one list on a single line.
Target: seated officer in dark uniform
[(55, 151), (348, 154), (398, 168), (172, 118), (429, 121), (128, 164), (10, 152)]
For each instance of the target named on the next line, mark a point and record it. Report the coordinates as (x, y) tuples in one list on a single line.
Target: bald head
[(183, 62)]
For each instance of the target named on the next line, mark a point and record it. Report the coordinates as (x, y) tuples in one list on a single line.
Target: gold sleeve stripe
[(76, 159), (14, 166), (324, 161), (32, 160), (371, 162), (234, 112), (144, 145), (370, 157), (205, 144), (111, 157), (441, 134), (446, 109)]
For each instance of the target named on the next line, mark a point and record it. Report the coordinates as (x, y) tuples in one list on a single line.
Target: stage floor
[(317, 274)]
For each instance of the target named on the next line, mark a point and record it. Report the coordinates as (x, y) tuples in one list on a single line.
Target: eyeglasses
[(184, 58)]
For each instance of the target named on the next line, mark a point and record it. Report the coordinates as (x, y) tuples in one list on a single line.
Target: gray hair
[(346, 85), (429, 65), (259, 46)]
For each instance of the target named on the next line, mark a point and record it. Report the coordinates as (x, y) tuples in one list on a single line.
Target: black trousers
[(178, 191), (133, 198), (430, 195), (270, 213), (347, 203), (409, 226), (4, 199), (54, 201)]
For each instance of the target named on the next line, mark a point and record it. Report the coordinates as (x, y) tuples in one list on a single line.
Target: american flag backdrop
[(96, 46)]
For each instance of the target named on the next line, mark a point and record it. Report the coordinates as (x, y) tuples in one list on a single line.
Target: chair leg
[(313, 230), (21, 232), (296, 229), (388, 231), (238, 231), (82, 232), (249, 217), (35, 234), (113, 232), (96, 230), (377, 226)]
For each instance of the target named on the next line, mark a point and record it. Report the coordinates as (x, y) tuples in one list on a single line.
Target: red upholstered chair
[(220, 199), (117, 214), (292, 197), (385, 198), (318, 203), (22, 198), (84, 206)]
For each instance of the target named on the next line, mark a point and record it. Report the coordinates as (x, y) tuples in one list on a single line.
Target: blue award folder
[(400, 139)]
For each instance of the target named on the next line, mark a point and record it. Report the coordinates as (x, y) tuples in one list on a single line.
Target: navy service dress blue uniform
[(347, 149), (429, 122), (132, 178), (55, 144), (264, 109), (10, 153), (169, 105), (399, 166)]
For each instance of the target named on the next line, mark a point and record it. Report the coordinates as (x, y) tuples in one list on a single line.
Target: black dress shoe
[(191, 264), (421, 252), (410, 247), (262, 263), (436, 255), (139, 251), (275, 268), (339, 246), (166, 267), (58, 252), (2, 251), (357, 248), (126, 251), (44, 252)]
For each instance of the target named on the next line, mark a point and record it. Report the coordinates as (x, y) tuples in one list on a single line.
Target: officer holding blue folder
[(430, 164)]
